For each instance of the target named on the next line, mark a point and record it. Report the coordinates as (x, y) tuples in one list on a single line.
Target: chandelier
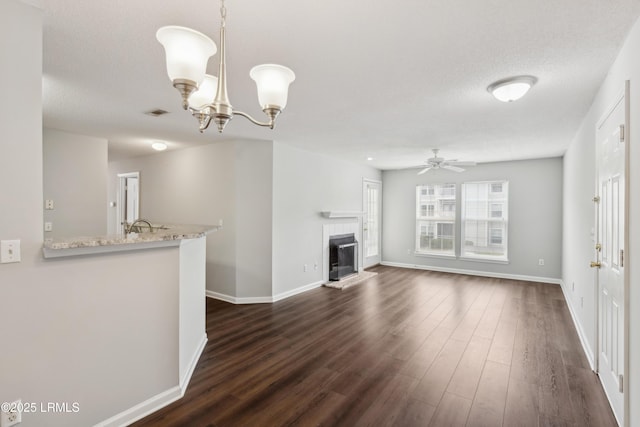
[(205, 96)]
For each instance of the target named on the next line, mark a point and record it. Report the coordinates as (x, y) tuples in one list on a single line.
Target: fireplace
[(343, 256)]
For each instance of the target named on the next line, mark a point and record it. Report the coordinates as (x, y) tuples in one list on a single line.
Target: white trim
[(158, 401), (297, 291), (485, 260), (581, 334), (434, 255), (143, 409), (264, 300), (184, 381), (221, 297), (475, 272), (342, 214)]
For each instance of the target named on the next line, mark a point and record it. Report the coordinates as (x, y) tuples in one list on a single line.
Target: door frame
[(365, 210), (122, 180), (625, 95)]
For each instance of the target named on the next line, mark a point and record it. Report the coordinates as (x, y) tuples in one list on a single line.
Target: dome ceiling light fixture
[(159, 146), (512, 88), (187, 53)]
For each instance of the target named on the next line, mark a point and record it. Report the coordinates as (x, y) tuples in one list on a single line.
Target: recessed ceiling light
[(511, 89), (369, 158), (159, 146)]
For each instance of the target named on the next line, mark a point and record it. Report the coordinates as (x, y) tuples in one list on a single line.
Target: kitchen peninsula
[(146, 302)]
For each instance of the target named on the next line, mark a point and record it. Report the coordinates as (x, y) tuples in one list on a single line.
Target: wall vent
[(156, 113)]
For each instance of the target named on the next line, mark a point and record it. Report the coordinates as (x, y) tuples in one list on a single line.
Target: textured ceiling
[(384, 80)]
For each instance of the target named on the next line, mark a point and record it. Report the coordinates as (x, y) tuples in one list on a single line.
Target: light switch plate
[(9, 251), (48, 205)]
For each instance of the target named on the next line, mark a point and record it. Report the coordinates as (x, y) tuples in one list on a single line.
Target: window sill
[(485, 260), (430, 255)]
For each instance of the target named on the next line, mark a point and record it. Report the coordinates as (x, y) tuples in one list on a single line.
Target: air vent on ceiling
[(156, 113)]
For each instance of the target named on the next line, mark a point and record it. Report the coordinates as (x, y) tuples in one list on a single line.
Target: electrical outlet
[(315, 265), (9, 251), (541, 261), (573, 286), (13, 416), (48, 205), (581, 302), (305, 268), (408, 251), (48, 226)]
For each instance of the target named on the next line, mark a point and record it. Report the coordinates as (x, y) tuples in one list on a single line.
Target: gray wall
[(535, 216), (305, 184), (228, 181), (75, 178), (578, 220), (75, 335), (269, 196)]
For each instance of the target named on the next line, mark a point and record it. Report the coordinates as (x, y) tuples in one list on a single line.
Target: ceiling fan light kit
[(436, 162), (187, 53), (512, 88)]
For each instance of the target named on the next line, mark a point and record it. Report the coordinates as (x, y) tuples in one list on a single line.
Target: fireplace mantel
[(342, 214)]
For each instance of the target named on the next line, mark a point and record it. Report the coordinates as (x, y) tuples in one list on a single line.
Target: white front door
[(611, 140), (371, 222)]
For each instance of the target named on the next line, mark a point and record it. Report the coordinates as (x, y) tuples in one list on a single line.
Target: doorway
[(371, 222), (128, 199), (612, 143)]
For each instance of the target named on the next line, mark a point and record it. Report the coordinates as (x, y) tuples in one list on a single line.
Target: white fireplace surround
[(329, 230)]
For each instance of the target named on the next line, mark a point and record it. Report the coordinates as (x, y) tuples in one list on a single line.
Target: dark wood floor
[(405, 348)]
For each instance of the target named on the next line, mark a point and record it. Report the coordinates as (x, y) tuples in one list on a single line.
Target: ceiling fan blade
[(452, 168), (425, 170), (457, 163)]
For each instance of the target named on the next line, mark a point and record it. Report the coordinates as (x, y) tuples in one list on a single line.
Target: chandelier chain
[(223, 12)]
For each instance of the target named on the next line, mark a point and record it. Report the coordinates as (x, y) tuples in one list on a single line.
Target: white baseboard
[(588, 351), (263, 300), (143, 409), (158, 401), (475, 272), (184, 381), (297, 291)]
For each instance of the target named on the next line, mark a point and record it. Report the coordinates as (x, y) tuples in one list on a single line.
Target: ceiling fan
[(436, 162)]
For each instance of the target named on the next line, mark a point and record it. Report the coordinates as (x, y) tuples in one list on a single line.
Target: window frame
[(436, 218), (490, 222)]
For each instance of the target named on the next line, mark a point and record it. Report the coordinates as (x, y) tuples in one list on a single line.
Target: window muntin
[(485, 220), (436, 219)]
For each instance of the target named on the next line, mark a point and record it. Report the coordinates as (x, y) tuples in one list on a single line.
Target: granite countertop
[(166, 234)]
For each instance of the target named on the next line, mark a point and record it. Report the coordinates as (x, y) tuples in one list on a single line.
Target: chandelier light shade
[(187, 52), (205, 96), (511, 89), (205, 93), (273, 84)]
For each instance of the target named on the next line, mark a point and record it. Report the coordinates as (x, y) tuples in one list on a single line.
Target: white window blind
[(485, 220), (436, 219)]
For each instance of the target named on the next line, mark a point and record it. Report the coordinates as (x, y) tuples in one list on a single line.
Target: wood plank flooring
[(405, 348)]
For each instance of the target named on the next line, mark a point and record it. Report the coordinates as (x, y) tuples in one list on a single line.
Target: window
[(485, 220), (496, 210), (436, 219)]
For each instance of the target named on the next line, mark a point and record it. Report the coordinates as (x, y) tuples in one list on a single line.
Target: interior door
[(611, 140), (129, 199), (371, 222)]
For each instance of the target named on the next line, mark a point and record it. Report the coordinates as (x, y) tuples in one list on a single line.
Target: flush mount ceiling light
[(205, 96), (511, 89), (159, 146)]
